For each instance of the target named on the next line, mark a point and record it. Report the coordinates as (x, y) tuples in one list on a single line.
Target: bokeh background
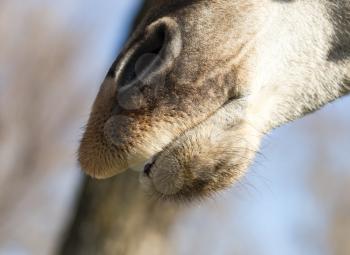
[(53, 56)]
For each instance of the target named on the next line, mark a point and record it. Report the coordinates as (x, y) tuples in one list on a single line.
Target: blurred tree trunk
[(116, 217)]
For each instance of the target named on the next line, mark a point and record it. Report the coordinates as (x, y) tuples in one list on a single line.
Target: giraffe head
[(194, 89)]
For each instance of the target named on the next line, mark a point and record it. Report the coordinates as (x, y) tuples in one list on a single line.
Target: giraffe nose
[(148, 59)]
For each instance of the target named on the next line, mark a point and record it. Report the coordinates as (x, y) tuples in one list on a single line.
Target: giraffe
[(200, 82)]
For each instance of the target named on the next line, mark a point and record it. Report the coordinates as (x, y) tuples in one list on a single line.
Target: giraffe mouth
[(148, 165), (205, 159)]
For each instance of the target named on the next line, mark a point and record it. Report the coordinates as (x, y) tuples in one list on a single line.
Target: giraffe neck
[(302, 61)]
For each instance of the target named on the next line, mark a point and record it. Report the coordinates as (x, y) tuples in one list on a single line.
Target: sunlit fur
[(231, 71)]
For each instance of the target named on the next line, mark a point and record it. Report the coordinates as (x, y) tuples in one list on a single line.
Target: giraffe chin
[(200, 163)]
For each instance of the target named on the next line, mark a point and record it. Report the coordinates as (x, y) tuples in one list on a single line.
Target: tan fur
[(224, 73)]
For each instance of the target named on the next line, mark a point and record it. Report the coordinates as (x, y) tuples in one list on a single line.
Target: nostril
[(146, 59), (152, 56)]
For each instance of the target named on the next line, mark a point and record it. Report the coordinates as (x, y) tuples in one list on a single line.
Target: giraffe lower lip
[(147, 169)]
